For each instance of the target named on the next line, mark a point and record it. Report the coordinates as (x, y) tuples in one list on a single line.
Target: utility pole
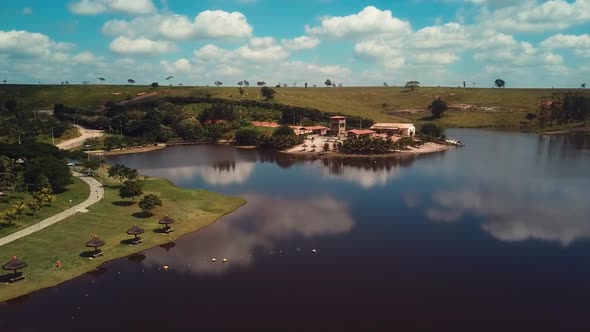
[(52, 137)]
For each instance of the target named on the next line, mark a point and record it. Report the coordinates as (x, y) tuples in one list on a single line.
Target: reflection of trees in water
[(224, 166), (337, 165)]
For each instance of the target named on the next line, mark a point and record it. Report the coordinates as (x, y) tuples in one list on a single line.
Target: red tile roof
[(361, 132)]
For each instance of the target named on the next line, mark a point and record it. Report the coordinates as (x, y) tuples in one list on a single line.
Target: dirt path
[(76, 142)]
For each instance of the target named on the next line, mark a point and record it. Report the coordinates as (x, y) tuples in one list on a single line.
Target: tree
[(101, 79), (131, 189), (56, 171), (169, 77), (431, 130), (131, 81), (385, 84), (93, 142), (438, 107), (328, 82), (11, 176), (499, 83), (112, 141), (155, 85), (412, 85), (583, 85), (326, 147), (246, 136), (531, 116), (91, 165), (283, 130), (267, 93), (306, 85), (246, 83), (122, 173), (240, 83), (218, 83), (149, 202)]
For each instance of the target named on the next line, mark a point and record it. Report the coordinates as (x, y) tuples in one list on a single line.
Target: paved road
[(84, 134), (96, 194)]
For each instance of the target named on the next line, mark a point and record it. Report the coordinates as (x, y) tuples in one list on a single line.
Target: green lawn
[(78, 192), (64, 241)]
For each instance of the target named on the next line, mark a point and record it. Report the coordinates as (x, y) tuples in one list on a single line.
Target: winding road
[(84, 134)]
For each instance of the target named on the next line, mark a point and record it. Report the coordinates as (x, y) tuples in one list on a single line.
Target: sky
[(527, 43)]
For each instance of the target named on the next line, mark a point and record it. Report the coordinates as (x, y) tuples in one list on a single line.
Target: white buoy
[(313, 250), (213, 259), (225, 260)]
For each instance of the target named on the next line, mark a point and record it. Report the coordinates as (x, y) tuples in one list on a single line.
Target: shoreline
[(429, 147), (580, 131), (42, 274), (128, 150)]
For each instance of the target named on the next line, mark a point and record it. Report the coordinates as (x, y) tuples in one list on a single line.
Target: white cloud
[(86, 57), (94, 7), (209, 24), (448, 35), (300, 43), (567, 41), (25, 43), (437, 58), (367, 22), (124, 45), (257, 50), (535, 16)]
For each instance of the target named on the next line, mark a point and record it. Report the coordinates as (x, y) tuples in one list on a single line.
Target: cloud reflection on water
[(220, 173), (260, 224)]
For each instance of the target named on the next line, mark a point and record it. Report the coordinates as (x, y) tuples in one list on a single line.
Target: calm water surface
[(492, 236)]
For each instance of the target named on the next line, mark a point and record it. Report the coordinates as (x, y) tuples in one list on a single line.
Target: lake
[(493, 236)]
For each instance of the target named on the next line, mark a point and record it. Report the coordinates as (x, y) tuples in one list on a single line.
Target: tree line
[(562, 108)]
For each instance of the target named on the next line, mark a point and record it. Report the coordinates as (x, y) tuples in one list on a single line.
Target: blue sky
[(528, 43)]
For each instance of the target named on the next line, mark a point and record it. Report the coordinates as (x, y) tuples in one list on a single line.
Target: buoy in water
[(225, 260), (166, 267), (213, 259), (313, 250)]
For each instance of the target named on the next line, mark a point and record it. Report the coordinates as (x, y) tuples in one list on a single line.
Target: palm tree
[(101, 79), (18, 209), (9, 216)]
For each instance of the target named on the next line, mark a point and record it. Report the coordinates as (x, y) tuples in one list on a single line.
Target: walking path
[(84, 134), (96, 194)]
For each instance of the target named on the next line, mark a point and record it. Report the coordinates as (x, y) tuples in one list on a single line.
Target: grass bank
[(495, 108), (110, 219), (78, 191)]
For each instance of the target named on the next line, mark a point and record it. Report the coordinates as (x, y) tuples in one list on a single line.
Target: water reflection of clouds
[(260, 224), (563, 216), (221, 173)]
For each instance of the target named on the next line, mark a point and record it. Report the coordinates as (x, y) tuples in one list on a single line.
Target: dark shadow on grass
[(87, 254), (123, 203), (168, 246), (429, 118), (128, 241), (142, 214), (6, 277), (160, 230)]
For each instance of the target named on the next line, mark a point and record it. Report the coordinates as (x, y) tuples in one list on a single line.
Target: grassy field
[(110, 219), (507, 106), (78, 192)]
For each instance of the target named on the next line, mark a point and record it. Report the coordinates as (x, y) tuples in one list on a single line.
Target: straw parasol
[(95, 242), (166, 221), (135, 231), (14, 265)]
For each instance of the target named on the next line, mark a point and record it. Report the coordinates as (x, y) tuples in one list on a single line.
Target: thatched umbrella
[(14, 265), (166, 221), (135, 231), (95, 242)]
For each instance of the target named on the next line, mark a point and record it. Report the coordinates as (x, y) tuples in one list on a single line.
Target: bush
[(246, 136), (431, 130)]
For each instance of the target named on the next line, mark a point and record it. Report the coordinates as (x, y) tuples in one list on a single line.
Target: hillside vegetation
[(499, 108)]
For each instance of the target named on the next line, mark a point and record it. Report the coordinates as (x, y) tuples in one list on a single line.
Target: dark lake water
[(490, 237)]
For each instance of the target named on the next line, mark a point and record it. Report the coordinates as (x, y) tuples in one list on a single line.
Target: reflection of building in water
[(225, 166), (260, 224)]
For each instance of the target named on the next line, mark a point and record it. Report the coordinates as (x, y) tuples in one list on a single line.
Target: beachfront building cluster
[(338, 129)]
